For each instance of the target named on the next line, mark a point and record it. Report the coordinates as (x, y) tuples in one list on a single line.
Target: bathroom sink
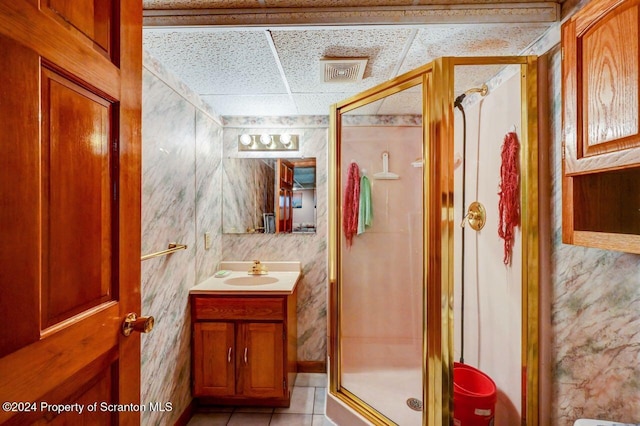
[(251, 280), (282, 278)]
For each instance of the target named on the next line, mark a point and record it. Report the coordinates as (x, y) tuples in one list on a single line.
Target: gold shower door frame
[(437, 79)]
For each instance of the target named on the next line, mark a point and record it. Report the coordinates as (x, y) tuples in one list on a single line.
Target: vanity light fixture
[(268, 142)]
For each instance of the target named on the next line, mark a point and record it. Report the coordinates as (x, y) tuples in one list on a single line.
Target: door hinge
[(284, 383), (563, 149), (284, 334)]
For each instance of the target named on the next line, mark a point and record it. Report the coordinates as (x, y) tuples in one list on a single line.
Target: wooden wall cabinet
[(244, 349), (601, 138)]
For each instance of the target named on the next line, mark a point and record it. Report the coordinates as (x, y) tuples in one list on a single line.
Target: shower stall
[(399, 259)]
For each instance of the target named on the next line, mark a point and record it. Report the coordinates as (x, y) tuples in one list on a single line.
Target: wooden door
[(284, 210), (261, 354), (214, 359), (70, 217)]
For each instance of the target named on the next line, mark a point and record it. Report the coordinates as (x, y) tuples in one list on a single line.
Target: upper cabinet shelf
[(601, 129)]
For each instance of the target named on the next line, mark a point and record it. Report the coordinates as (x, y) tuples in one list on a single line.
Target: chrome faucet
[(258, 268)]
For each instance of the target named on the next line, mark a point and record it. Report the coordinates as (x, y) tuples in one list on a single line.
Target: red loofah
[(509, 204), (351, 204)]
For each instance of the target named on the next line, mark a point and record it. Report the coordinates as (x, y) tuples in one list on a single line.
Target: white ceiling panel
[(253, 105), (300, 53), (402, 103), (435, 41), (473, 76), (218, 62), (318, 103)]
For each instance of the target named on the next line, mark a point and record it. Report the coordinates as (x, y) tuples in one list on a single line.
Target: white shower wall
[(493, 291)]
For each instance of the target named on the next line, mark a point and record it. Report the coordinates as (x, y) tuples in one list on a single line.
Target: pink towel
[(351, 204)]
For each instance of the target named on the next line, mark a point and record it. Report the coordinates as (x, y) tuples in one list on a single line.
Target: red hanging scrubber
[(351, 204), (509, 204)]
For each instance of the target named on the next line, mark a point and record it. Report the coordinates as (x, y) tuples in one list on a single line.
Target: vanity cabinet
[(244, 349), (601, 137)]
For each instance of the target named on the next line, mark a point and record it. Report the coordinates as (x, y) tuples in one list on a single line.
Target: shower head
[(483, 90)]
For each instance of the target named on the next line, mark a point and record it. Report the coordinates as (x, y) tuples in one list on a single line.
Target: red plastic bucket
[(474, 397)]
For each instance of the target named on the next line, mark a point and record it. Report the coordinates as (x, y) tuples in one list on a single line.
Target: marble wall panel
[(180, 171), (309, 249), (208, 195)]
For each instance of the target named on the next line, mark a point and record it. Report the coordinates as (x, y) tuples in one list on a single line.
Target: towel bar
[(172, 248)]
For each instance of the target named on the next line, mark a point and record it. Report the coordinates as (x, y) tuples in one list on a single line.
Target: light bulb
[(265, 139), (285, 139), (245, 139)]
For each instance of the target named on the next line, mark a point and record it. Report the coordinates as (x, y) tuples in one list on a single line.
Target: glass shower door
[(381, 245)]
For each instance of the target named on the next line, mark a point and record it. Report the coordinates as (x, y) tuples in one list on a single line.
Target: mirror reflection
[(269, 195)]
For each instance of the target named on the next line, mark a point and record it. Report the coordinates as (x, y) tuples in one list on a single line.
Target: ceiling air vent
[(342, 70)]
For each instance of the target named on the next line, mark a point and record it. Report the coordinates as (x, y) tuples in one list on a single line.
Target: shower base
[(387, 391)]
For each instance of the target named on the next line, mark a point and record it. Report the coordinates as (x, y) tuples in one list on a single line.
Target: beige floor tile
[(267, 410), (215, 409), (301, 401), (319, 420), (283, 419), (312, 380), (209, 419), (319, 401), (249, 419)]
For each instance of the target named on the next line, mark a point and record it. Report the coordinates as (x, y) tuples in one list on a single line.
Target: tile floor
[(306, 409)]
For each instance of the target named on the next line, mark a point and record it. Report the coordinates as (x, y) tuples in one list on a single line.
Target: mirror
[(269, 195)]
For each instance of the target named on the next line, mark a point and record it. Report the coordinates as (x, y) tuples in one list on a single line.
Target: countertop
[(287, 275)]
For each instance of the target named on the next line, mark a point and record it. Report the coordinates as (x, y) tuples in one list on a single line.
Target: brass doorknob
[(135, 323)]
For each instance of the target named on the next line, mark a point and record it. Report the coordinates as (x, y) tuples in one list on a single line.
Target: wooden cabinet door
[(601, 76), (214, 359), (70, 209), (261, 354), (601, 126)]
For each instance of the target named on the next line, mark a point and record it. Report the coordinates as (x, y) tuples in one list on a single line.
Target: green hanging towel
[(365, 210)]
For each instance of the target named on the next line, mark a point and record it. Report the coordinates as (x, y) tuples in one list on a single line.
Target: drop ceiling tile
[(318, 103), (434, 41), (226, 105), (300, 53), (409, 103), (218, 62), (473, 76)]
